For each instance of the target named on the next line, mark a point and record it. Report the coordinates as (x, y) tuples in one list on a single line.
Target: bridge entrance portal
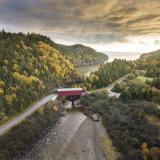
[(72, 94)]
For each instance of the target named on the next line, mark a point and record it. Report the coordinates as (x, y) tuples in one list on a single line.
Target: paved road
[(13, 122)]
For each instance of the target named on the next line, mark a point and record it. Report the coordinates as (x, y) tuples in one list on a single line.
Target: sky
[(106, 25)]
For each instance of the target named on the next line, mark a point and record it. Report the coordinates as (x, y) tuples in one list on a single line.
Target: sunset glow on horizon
[(117, 25)]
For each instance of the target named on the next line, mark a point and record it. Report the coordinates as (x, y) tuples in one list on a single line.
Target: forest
[(128, 125), (108, 73), (132, 121), (143, 84), (29, 67), (81, 55)]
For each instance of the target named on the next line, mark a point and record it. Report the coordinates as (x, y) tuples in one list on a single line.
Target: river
[(74, 137)]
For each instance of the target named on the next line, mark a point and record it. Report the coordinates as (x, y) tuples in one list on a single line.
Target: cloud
[(157, 42), (92, 21)]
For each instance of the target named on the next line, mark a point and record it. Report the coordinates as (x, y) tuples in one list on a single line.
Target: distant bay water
[(122, 55)]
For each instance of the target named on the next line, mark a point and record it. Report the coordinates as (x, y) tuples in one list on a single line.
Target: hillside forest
[(81, 55), (109, 72), (132, 121), (29, 67)]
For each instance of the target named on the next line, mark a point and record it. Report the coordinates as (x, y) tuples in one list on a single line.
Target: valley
[(75, 136), (79, 80), (117, 112)]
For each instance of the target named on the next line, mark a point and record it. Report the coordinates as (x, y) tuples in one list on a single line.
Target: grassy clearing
[(109, 150), (143, 79), (153, 119)]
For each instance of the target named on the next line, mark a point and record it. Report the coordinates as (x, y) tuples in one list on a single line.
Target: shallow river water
[(56, 141)]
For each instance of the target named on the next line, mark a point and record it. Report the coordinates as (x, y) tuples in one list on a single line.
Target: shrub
[(20, 138)]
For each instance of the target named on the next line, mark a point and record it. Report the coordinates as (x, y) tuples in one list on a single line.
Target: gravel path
[(74, 138), (30, 110)]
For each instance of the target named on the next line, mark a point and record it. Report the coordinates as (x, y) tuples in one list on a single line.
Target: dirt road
[(109, 87), (13, 122), (19, 118)]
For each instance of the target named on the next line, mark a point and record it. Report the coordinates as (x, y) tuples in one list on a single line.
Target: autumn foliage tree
[(30, 66)]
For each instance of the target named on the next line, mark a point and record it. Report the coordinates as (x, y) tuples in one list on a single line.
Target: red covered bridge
[(72, 94), (70, 91)]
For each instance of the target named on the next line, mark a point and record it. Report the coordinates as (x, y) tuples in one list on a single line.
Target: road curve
[(30, 110), (110, 86)]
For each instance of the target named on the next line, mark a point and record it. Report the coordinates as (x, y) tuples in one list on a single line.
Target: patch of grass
[(153, 119), (109, 150), (143, 79)]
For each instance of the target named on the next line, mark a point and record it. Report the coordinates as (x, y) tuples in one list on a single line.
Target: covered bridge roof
[(70, 91)]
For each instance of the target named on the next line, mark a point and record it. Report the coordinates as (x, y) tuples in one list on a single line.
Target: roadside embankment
[(20, 138), (26, 113)]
